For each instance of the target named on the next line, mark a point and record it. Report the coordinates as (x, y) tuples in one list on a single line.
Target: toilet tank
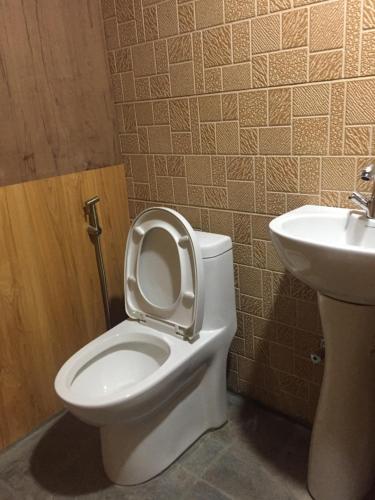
[(219, 295)]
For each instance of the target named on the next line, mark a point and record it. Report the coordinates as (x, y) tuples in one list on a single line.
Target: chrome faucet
[(368, 204)]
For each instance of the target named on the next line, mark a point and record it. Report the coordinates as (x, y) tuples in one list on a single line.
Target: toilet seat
[(164, 273)]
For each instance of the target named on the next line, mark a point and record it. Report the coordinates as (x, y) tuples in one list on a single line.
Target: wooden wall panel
[(57, 114), (50, 299)]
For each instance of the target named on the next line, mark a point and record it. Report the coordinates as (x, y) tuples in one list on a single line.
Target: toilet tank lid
[(212, 244)]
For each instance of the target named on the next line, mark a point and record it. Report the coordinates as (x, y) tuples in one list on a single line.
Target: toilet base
[(137, 450)]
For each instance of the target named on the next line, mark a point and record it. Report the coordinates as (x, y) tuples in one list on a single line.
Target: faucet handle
[(368, 173)]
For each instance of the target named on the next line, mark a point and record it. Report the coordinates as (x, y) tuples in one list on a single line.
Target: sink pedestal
[(342, 452)]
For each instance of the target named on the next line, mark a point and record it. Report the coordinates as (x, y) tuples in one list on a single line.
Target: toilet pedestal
[(137, 450), (342, 453)]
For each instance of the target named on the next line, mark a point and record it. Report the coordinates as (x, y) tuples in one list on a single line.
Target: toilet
[(157, 381)]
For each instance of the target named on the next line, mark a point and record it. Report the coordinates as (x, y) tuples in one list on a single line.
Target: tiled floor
[(256, 455)]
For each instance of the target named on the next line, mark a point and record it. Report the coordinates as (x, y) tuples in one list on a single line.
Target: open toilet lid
[(163, 272)]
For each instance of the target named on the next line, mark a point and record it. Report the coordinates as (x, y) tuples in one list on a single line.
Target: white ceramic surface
[(330, 249), (333, 251), (151, 392)]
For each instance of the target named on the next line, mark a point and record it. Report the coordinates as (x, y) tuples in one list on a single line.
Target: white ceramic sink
[(330, 249)]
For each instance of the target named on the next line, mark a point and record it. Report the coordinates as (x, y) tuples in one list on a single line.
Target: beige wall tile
[(352, 42), (165, 189), (127, 34), (215, 197), (357, 141), (368, 54), (239, 9), (265, 34), (279, 106), (196, 195), (336, 118), (288, 67), (360, 103), (123, 60), (176, 166), (213, 80), (239, 168), (325, 66), (142, 88), (194, 120), (182, 79), (143, 60), (311, 100), (294, 29), (186, 18), (160, 139), (182, 143), (294, 201), (368, 14), (310, 136), (275, 141), (327, 26), (221, 222), (198, 170), (124, 10), (210, 108), (218, 171), (282, 174), (229, 104), (217, 46), (179, 114), (180, 190), (160, 86), (250, 281), (261, 7), (130, 124), (242, 228), (150, 23), (209, 13), (198, 62), (253, 108), (180, 49), (227, 137), (167, 19), (276, 203), (143, 111), (309, 175), (260, 71), (237, 77), (161, 56), (249, 142), (208, 138), (241, 42), (338, 174)]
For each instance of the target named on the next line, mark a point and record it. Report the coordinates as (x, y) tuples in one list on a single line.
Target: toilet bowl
[(157, 381)]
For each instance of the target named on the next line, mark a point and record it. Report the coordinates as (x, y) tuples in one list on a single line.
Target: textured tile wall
[(235, 111)]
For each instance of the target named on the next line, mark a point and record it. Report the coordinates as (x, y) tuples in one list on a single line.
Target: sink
[(333, 251), (329, 249)]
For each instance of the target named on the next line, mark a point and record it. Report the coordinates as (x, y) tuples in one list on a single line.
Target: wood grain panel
[(57, 114), (50, 299)]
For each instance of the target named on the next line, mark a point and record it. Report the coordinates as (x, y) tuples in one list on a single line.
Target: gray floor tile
[(256, 455), (204, 491), (248, 481), (199, 456)]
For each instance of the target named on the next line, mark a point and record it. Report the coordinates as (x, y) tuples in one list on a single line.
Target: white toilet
[(157, 381)]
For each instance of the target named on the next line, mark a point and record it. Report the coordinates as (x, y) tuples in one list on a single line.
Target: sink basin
[(333, 251), (329, 249)]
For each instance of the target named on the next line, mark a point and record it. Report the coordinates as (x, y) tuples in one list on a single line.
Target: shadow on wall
[(117, 309)]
